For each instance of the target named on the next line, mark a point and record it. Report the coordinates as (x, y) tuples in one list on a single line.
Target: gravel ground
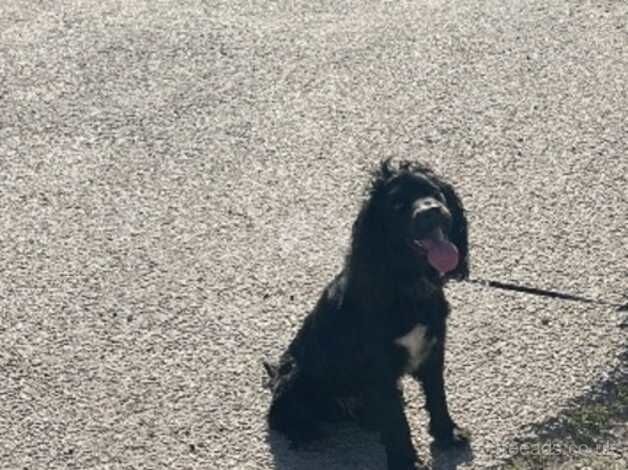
[(178, 181)]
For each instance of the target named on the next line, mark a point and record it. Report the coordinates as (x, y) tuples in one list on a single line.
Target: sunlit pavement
[(178, 181)]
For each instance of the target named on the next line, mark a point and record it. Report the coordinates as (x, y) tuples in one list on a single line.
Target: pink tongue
[(441, 254)]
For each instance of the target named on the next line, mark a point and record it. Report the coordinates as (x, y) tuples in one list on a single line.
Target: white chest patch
[(416, 345)]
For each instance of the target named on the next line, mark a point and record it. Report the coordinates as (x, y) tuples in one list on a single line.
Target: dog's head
[(413, 222)]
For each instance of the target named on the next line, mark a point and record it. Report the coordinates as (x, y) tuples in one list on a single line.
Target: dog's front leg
[(442, 427), (385, 413)]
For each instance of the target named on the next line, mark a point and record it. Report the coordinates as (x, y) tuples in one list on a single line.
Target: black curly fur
[(344, 361)]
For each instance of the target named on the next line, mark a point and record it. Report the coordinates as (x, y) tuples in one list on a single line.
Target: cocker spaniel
[(383, 316)]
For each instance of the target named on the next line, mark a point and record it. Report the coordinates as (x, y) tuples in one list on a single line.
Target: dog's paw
[(455, 438)]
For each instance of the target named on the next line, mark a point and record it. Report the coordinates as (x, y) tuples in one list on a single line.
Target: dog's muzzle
[(429, 213), (431, 221)]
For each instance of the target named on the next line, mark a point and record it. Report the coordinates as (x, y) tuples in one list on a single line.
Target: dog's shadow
[(345, 447), (450, 459)]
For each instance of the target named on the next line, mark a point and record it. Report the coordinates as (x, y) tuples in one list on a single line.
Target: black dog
[(382, 317)]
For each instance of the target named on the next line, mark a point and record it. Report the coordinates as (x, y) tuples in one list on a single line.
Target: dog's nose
[(426, 205), (429, 212)]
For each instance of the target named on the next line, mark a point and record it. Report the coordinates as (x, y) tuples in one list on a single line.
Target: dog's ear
[(368, 240), (368, 231), (459, 233), (368, 228)]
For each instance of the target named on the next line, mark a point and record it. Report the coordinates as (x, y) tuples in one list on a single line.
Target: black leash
[(547, 293)]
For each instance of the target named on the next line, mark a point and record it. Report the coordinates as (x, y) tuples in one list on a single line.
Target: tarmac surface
[(178, 181)]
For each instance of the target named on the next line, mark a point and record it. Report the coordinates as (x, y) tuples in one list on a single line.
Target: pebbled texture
[(178, 181)]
